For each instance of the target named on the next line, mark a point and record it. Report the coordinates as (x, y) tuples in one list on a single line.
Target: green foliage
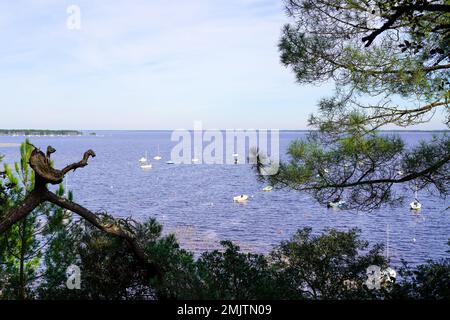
[(332, 265), (329, 266), (324, 41), (24, 245), (20, 253), (430, 281), (109, 269), (231, 274)]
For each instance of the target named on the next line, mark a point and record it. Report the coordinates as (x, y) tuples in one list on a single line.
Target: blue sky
[(149, 64)]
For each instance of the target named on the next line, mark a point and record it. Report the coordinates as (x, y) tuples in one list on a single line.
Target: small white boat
[(170, 162), (268, 189), (144, 163), (241, 198), (158, 156), (415, 205), (195, 160), (336, 204), (400, 172)]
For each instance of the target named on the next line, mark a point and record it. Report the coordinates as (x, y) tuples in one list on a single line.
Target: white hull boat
[(336, 204), (241, 198), (415, 205), (144, 163)]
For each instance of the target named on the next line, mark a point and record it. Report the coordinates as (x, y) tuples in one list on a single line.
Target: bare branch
[(81, 164), (400, 11), (14, 215)]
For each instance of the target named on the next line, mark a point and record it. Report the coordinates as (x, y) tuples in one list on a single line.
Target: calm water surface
[(196, 201)]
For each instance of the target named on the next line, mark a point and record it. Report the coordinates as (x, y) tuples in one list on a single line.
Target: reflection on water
[(196, 201)]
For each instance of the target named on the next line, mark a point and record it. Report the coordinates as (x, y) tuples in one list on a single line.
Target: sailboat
[(144, 164), (415, 205), (158, 156), (143, 159)]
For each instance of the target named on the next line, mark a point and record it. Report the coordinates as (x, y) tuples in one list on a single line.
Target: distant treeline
[(33, 132)]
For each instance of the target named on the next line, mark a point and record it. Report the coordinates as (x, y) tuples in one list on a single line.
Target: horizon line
[(220, 129)]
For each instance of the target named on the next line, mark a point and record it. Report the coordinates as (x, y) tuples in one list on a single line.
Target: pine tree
[(22, 247), (389, 61)]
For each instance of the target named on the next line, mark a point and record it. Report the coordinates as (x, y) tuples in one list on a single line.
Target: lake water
[(196, 201)]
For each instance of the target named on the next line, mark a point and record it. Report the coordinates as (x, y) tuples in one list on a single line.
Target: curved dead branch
[(46, 174)]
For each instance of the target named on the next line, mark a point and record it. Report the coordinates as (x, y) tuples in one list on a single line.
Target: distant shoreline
[(41, 132), (38, 132), (280, 130), (9, 145)]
